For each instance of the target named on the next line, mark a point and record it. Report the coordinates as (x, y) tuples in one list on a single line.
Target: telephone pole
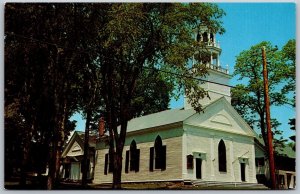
[(268, 121)]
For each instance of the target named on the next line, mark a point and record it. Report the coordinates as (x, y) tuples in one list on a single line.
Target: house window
[(158, 155), (222, 156), (132, 158), (189, 161)]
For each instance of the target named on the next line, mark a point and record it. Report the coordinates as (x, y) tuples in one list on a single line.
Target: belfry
[(217, 81)]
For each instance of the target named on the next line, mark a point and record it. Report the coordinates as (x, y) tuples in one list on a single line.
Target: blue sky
[(248, 24)]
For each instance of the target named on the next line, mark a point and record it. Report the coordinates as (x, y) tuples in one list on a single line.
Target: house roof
[(78, 136), (288, 151), (92, 138), (285, 151)]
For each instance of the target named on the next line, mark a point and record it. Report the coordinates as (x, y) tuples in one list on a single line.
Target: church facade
[(182, 145)]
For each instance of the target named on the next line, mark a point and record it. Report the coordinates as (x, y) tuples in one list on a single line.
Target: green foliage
[(107, 58), (248, 99), (289, 57), (139, 37)]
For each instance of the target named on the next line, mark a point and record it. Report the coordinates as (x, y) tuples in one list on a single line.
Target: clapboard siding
[(173, 163)]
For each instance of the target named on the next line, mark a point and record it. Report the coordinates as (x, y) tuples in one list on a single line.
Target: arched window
[(132, 157), (205, 37), (222, 156), (158, 155), (158, 152), (211, 37), (198, 37)]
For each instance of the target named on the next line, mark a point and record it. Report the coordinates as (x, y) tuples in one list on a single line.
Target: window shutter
[(137, 160), (126, 161), (132, 160), (151, 159), (105, 163), (110, 162), (81, 166), (88, 165), (163, 157)]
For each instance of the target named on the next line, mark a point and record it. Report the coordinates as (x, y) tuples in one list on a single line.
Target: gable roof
[(78, 136), (181, 115), (221, 116)]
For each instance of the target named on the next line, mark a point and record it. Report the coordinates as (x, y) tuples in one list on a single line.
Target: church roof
[(186, 116), (159, 119)]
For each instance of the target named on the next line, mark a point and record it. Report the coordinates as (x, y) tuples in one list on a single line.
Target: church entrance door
[(198, 168), (243, 177)]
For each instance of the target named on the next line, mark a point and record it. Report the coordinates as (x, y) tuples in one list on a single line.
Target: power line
[(81, 50), (189, 77), (88, 51)]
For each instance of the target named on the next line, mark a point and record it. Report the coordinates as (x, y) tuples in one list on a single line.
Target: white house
[(72, 157)]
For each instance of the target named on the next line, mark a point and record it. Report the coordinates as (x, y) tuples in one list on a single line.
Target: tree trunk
[(117, 173), (24, 165), (51, 166), (86, 150), (263, 129)]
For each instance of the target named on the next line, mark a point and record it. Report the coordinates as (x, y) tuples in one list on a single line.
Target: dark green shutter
[(163, 157), (151, 159), (137, 160), (132, 159), (105, 163), (126, 161), (81, 166), (111, 162)]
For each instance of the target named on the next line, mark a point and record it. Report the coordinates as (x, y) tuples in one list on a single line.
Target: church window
[(158, 155), (132, 158), (222, 156), (205, 37), (189, 161), (211, 37), (198, 37)]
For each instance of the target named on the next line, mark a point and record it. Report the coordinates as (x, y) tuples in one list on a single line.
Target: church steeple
[(218, 77)]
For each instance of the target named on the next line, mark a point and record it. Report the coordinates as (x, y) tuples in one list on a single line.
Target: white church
[(216, 145)]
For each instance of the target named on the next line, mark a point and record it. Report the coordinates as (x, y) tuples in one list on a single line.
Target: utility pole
[(268, 121)]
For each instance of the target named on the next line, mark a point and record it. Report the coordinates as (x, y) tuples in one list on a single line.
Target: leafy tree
[(124, 45), (289, 55), (41, 64), (143, 36), (248, 99)]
